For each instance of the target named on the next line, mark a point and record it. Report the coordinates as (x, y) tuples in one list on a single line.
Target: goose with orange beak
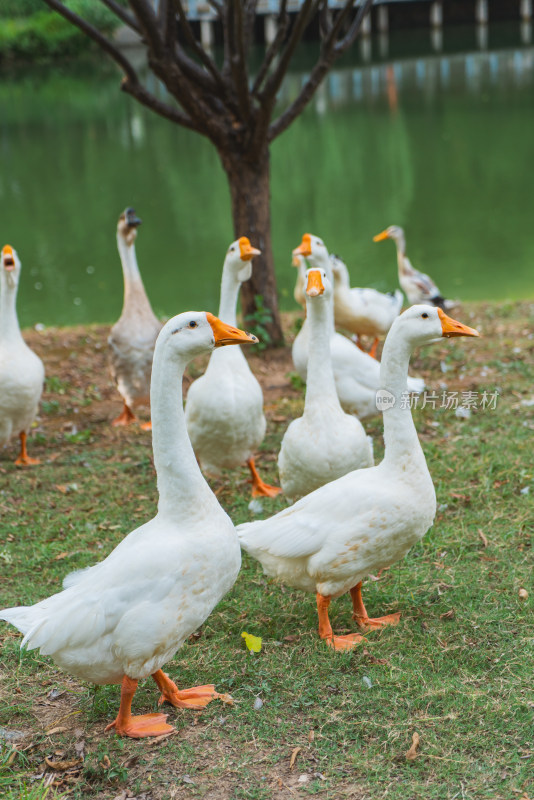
[(21, 370), (356, 374), (331, 539), (123, 619), (224, 408), (418, 287), (325, 443), (134, 335)]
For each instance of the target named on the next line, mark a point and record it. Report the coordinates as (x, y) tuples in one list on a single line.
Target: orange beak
[(450, 327), (381, 236), (227, 334), (304, 248), (246, 250), (7, 257), (315, 285)]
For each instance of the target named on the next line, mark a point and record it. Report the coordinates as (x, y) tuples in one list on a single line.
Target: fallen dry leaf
[(411, 754), (311, 736), (105, 763), (60, 556), (484, 539), (293, 758), (523, 594), (59, 729), (448, 614), (61, 766), (61, 488)]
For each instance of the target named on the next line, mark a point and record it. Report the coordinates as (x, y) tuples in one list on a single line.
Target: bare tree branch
[(268, 95), (148, 22), (238, 61), (138, 91), (94, 34), (355, 27), (197, 48), (329, 53), (122, 14), (282, 22)]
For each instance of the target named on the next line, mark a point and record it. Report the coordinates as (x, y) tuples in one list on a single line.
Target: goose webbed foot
[(365, 622), (195, 698), (24, 459), (259, 487), (140, 726), (338, 643), (126, 417)]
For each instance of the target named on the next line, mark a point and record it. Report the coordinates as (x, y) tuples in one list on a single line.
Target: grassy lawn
[(457, 671)]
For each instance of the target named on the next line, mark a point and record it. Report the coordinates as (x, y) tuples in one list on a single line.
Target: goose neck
[(320, 385), (230, 286), (134, 291), (9, 324), (400, 435), (180, 482)]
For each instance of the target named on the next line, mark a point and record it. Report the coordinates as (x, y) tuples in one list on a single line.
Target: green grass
[(457, 670)]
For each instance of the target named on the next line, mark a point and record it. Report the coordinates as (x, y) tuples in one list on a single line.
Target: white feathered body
[(132, 340), (224, 412), (129, 614), (331, 539), (21, 370), (366, 312), (320, 447), (21, 385)]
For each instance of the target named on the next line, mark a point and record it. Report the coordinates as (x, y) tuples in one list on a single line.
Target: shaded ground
[(457, 671)]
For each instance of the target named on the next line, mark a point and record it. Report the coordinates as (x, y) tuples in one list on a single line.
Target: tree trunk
[(249, 181)]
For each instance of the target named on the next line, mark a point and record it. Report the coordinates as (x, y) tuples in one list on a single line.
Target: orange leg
[(259, 488), (24, 460), (196, 697), (325, 629), (126, 417), (146, 426), (360, 614), (136, 727), (372, 351)]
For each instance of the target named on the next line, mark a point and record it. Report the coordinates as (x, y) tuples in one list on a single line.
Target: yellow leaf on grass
[(252, 642)]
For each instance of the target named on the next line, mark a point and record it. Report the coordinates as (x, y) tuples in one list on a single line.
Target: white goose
[(418, 287), (332, 538), (365, 312), (134, 335), (21, 370), (121, 620), (224, 407), (356, 374), (325, 443)]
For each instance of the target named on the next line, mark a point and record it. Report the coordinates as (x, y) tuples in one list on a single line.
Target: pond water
[(439, 142)]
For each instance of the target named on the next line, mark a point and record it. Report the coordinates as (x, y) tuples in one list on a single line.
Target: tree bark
[(249, 182)]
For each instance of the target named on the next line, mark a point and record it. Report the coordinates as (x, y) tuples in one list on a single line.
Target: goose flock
[(123, 619)]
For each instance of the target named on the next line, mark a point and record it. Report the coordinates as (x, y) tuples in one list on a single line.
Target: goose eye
[(425, 315), (193, 324)]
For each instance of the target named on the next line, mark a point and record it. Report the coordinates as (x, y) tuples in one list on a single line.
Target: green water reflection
[(452, 165)]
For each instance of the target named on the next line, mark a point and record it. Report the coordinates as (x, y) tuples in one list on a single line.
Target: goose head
[(195, 332), (317, 284), (10, 266), (314, 250), (239, 258), (422, 324), (394, 232), (127, 225)]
